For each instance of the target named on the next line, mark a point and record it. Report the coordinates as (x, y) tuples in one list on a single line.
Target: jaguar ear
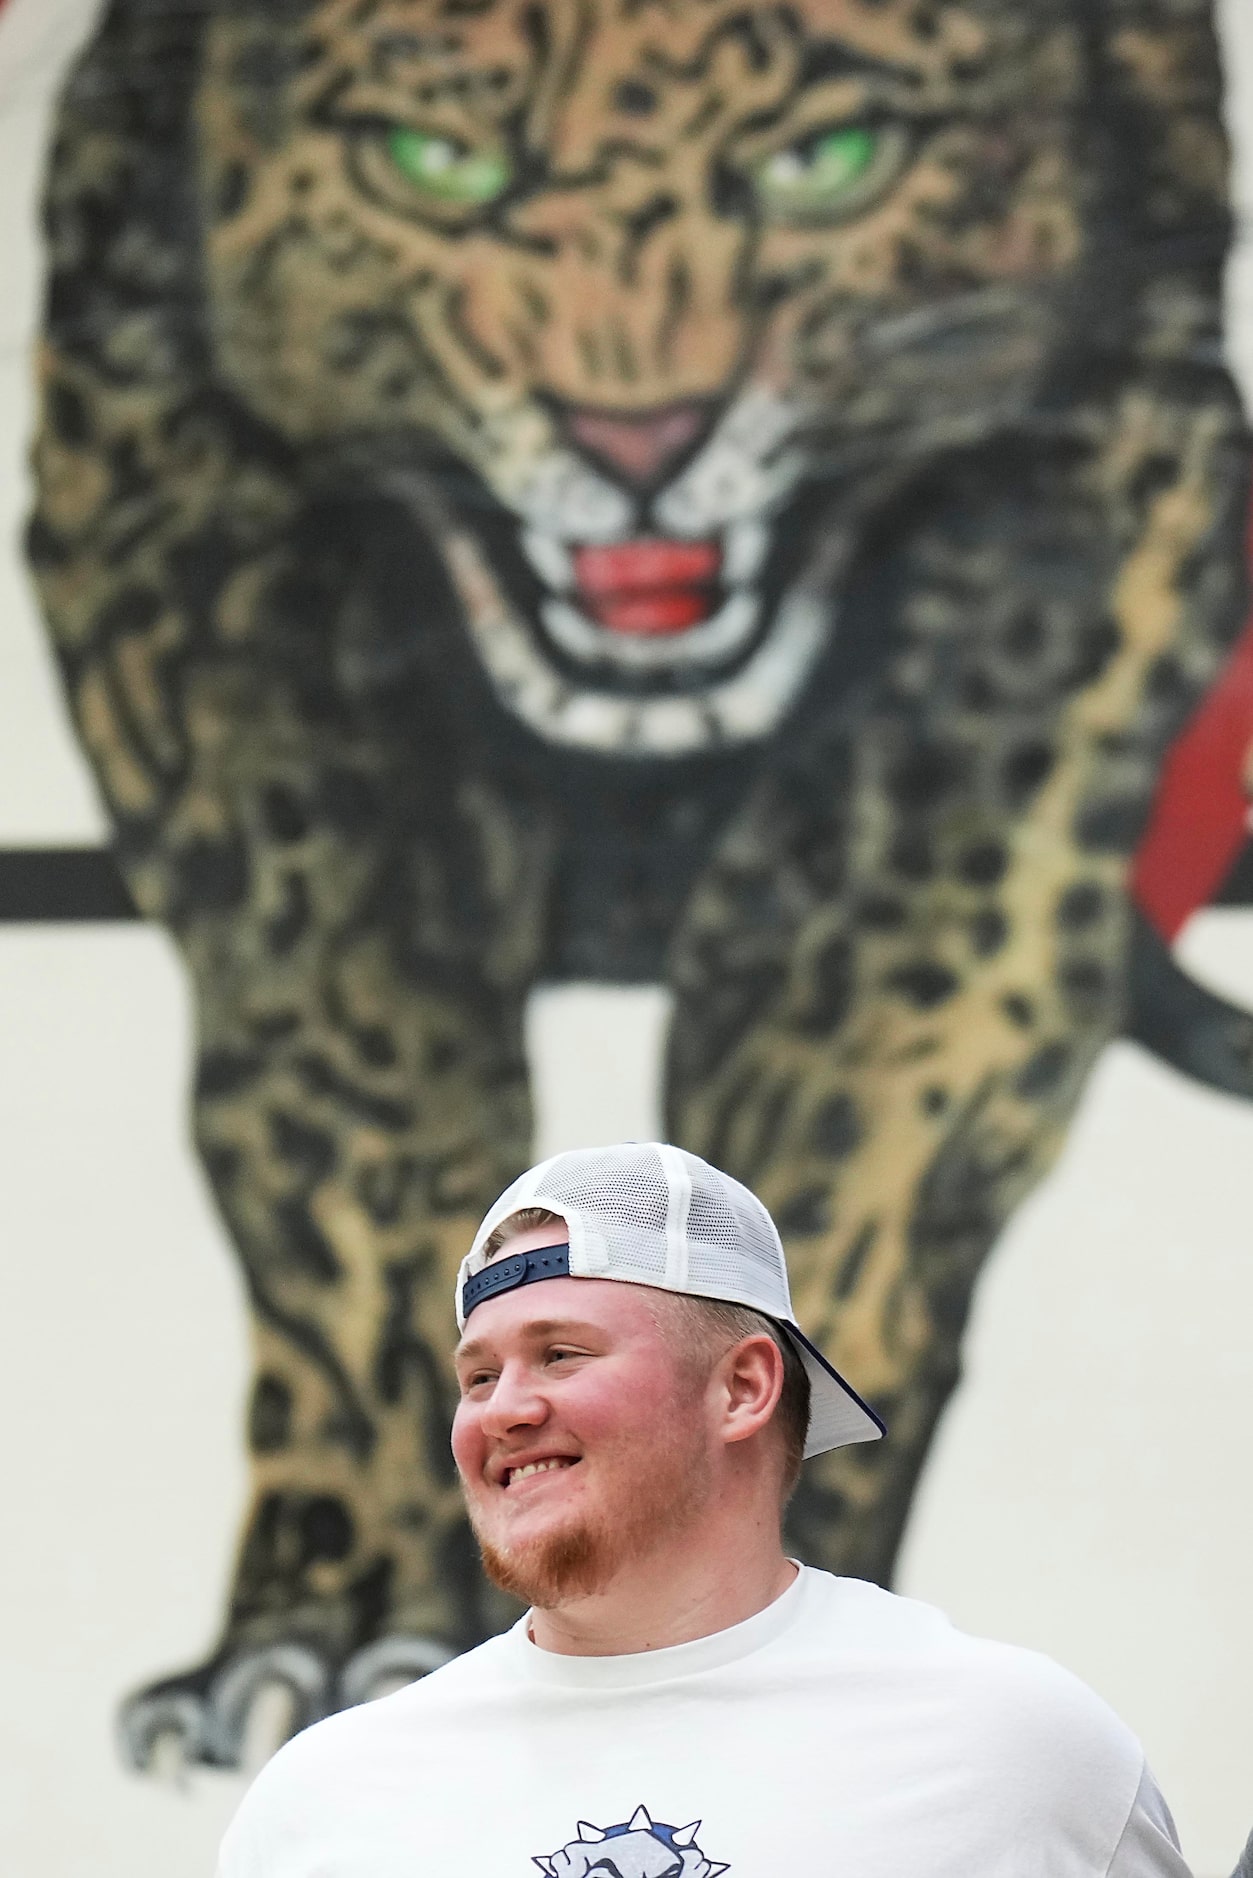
[(589, 1834), (711, 1871), (686, 1835), (546, 1866), (639, 1821)]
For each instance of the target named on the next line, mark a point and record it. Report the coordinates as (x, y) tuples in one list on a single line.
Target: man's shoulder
[(1017, 1703), (1035, 1746), (1055, 1757), (321, 1767)]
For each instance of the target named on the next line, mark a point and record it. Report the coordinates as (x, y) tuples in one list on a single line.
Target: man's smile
[(513, 1475)]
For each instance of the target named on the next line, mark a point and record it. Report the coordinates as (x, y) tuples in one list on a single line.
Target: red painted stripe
[(1200, 817)]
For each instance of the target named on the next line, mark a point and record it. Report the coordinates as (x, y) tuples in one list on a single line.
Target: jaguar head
[(645, 300)]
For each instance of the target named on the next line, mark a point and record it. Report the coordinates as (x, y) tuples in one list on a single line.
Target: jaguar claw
[(387, 1663), (202, 1717), (207, 1710)]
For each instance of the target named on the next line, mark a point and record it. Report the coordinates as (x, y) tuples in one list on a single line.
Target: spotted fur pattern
[(318, 452)]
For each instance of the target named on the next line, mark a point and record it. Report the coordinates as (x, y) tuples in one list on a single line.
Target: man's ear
[(751, 1378)]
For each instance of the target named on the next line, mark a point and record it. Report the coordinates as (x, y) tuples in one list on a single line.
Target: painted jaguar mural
[(736, 494)]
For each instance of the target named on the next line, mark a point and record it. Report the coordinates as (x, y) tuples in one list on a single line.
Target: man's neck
[(671, 1596)]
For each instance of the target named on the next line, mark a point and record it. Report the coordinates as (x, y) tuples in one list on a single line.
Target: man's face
[(581, 1436)]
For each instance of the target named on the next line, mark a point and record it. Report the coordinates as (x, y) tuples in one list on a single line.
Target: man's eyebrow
[(542, 1327)]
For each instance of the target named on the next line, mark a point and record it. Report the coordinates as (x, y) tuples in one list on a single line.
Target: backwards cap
[(646, 1213)]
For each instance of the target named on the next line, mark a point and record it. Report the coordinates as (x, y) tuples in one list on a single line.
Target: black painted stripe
[(41, 885), (63, 884)]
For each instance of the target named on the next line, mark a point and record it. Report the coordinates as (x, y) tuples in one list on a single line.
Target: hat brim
[(837, 1415)]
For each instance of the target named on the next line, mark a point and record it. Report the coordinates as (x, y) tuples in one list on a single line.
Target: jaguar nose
[(637, 447)]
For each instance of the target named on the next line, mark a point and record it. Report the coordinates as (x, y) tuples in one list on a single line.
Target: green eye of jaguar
[(446, 170), (823, 175)]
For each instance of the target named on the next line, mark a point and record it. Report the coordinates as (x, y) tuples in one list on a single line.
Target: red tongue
[(648, 586)]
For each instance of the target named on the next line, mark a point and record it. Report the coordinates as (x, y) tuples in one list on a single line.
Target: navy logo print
[(639, 1847)]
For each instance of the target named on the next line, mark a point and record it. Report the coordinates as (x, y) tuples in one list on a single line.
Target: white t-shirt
[(840, 1733)]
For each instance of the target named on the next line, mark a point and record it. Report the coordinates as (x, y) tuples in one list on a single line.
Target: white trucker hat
[(651, 1214)]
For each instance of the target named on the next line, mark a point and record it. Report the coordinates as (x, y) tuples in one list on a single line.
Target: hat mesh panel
[(728, 1228), (626, 1196), (624, 1192)]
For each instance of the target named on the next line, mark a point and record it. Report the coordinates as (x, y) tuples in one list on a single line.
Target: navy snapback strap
[(524, 1268)]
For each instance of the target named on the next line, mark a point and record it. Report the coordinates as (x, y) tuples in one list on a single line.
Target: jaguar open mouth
[(652, 644)]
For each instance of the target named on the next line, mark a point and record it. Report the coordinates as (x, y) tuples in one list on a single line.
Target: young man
[(682, 1698)]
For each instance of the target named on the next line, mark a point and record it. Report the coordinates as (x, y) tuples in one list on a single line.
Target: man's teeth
[(535, 1467)]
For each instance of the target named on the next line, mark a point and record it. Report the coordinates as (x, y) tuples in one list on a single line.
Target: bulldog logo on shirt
[(639, 1847)]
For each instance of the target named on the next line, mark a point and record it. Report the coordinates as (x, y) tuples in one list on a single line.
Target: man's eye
[(830, 175), (446, 170)]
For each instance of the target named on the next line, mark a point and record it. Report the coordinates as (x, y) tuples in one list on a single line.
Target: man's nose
[(516, 1401)]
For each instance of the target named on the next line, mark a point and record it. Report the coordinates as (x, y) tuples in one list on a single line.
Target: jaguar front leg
[(897, 975), (361, 925), (352, 1193), (361, 1097)]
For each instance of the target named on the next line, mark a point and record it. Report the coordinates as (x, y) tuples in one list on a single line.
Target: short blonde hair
[(526, 1219)]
